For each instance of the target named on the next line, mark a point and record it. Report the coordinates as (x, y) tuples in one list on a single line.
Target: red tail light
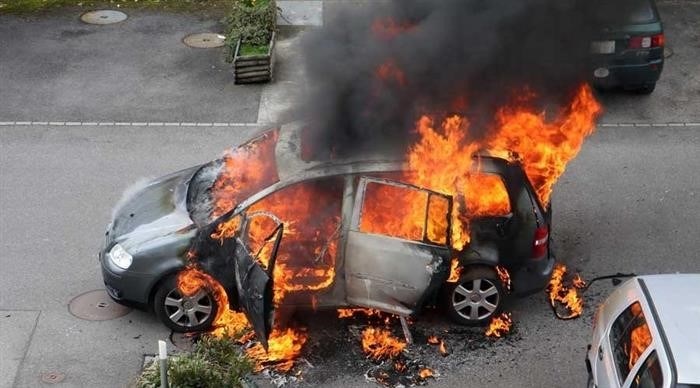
[(540, 241), (637, 42)]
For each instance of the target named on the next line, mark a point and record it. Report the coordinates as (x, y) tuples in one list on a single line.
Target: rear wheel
[(475, 297), (184, 313)]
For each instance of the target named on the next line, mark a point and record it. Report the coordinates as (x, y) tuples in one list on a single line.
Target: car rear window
[(621, 11), (629, 338)]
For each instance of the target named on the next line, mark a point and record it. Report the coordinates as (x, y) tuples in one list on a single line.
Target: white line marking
[(676, 124)]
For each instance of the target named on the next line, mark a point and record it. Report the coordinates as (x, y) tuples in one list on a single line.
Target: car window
[(620, 11), (404, 212), (311, 214), (629, 338), (486, 195), (649, 375)]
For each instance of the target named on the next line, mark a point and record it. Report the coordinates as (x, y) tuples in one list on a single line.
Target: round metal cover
[(96, 306), (105, 16), (52, 377), (204, 40)]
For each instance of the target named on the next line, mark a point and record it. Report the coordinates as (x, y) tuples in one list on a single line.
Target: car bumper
[(627, 75), (533, 276), (122, 286)]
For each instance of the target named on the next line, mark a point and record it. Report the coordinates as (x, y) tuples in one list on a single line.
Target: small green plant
[(214, 362), (253, 22)]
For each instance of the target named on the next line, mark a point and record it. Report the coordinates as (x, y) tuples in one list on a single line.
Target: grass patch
[(214, 362), (251, 49), (28, 6)]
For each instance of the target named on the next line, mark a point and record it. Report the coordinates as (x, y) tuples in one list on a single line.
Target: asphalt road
[(628, 203)]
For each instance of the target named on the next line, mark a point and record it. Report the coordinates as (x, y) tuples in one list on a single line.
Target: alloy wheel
[(188, 311), (475, 299)]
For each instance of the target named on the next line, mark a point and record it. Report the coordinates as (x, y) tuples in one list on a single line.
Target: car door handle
[(600, 353)]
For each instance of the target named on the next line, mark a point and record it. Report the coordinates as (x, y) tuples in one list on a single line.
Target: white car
[(647, 334)]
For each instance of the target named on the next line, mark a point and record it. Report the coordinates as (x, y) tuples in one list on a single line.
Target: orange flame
[(284, 346), (433, 340), (504, 276), (543, 147), (500, 325), (380, 344), (226, 229), (455, 271), (349, 313), (567, 296), (640, 338), (424, 373)]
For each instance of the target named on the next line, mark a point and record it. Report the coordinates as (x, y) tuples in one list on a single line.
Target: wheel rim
[(188, 311), (475, 299)]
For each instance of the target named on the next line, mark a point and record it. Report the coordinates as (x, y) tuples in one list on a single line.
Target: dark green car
[(628, 50)]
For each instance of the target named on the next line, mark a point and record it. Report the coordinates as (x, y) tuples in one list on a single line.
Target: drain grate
[(52, 377), (105, 16), (204, 40), (96, 306)]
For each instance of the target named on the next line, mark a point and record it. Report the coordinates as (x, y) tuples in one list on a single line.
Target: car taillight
[(637, 42), (540, 241)]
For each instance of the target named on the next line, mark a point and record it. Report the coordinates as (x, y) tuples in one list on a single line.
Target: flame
[(424, 373), (226, 229), (455, 271), (387, 29), (500, 325), (443, 348), (284, 346), (544, 147), (388, 71), (246, 170), (640, 337), (504, 276), (349, 313), (380, 344), (433, 340), (567, 296), (227, 322)]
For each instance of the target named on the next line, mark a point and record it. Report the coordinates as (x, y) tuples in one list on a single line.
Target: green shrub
[(214, 362), (253, 21)]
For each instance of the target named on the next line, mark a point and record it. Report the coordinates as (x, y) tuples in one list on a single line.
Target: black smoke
[(455, 56)]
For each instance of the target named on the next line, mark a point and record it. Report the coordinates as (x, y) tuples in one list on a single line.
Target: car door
[(397, 248), (254, 285)]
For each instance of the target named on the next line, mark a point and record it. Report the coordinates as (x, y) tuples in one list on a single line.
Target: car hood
[(152, 210)]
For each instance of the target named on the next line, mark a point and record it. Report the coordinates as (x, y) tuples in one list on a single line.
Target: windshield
[(218, 186)]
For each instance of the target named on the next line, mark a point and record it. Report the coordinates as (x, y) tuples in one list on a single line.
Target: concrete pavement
[(59, 183)]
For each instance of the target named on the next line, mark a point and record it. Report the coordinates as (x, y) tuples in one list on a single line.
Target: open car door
[(254, 284), (398, 246)]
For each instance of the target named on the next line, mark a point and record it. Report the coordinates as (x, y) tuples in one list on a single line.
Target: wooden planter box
[(254, 68)]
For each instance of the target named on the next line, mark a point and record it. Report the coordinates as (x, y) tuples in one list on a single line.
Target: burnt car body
[(147, 243)]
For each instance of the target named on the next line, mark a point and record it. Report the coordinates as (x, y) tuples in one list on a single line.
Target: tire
[(181, 313), (647, 88), (470, 308)]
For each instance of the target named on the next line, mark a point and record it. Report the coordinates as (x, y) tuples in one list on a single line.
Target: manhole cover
[(52, 377), (96, 306), (204, 40), (103, 17)]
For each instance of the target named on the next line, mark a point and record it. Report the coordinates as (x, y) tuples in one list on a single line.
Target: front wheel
[(184, 313), (475, 297)]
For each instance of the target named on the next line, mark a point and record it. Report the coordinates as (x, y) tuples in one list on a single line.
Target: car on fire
[(645, 334), (333, 233)]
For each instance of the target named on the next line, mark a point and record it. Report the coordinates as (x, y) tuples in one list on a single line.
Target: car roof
[(675, 299)]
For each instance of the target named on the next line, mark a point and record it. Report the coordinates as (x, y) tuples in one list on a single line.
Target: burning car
[(277, 228)]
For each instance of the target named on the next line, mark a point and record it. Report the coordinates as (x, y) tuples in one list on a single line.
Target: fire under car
[(280, 230)]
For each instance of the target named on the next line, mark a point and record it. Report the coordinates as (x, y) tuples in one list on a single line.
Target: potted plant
[(251, 39)]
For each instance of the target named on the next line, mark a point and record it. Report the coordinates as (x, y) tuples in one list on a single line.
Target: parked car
[(629, 50), (646, 334), (368, 264)]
